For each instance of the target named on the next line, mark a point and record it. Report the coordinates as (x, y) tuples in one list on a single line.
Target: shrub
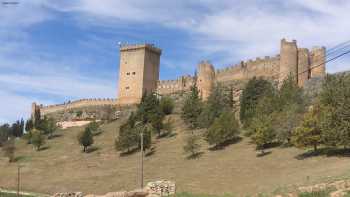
[(37, 139), (9, 149), (192, 146), (167, 105), (223, 129), (86, 139)]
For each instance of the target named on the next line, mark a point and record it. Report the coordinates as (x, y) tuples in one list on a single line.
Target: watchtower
[(289, 60), (138, 71)]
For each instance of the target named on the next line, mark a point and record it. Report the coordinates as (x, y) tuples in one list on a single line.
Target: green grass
[(4, 194), (322, 193), (187, 194)]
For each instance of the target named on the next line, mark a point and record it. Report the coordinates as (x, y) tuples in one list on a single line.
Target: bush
[(263, 132), (192, 146), (85, 138), (223, 129), (9, 149), (37, 139), (167, 105)]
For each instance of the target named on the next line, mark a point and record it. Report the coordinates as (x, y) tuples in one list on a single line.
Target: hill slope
[(235, 169)]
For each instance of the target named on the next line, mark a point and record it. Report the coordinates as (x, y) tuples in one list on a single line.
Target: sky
[(53, 51)]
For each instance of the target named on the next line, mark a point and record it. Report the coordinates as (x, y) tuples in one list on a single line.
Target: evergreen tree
[(5, 132), (335, 102), (29, 125), (218, 101), (192, 108), (167, 105), (9, 149), (37, 139), (127, 138), (256, 89), (51, 127), (192, 146), (263, 133), (85, 138), (223, 129), (309, 132)]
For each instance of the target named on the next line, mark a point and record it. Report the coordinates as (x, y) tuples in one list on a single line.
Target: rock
[(116, 194), (161, 188), (69, 194), (338, 193)]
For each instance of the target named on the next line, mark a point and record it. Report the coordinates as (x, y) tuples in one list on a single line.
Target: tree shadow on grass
[(56, 135), (130, 152), (20, 158), (166, 135), (263, 154), (92, 149), (195, 156), (225, 144), (150, 152), (326, 151), (43, 148)]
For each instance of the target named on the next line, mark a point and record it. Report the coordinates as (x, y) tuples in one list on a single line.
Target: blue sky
[(54, 51)]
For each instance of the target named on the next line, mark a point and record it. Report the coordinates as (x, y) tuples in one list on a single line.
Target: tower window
[(133, 73), (127, 88), (128, 73)]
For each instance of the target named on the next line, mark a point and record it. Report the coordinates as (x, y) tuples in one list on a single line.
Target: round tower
[(288, 60), (205, 78), (318, 58)]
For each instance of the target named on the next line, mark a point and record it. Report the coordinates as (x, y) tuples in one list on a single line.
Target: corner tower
[(288, 61), (138, 72)]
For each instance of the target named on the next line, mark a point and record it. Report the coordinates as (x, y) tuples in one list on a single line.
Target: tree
[(29, 125), (192, 145), (219, 100), (127, 139), (223, 129), (9, 149), (51, 127), (167, 105), (37, 139), (335, 105), (5, 132), (309, 132), (17, 128), (192, 108), (94, 127), (263, 132), (86, 139), (256, 89)]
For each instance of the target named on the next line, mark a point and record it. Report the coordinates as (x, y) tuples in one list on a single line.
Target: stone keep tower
[(138, 72), (317, 61), (288, 60), (205, 78)]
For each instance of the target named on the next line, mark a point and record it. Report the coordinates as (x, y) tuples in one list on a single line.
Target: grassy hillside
[(236, 169)]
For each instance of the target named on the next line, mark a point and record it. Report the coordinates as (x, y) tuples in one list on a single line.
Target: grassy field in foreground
[(236, 170)]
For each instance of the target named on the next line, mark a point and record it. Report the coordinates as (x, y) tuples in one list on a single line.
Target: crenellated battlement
[(76, 104)]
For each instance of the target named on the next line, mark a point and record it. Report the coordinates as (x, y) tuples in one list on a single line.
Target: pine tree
[(224, 128), (192, 108), (166, 105), (192, 146), (85, 138), (249, 99), (309, 132), (37, 139), (9, 149), (263, 133)]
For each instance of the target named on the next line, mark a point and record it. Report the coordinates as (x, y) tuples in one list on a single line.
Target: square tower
[(138, 72)]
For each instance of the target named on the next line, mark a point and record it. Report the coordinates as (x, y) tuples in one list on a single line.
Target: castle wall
[(183, 83), (76, 104), (267, 67)]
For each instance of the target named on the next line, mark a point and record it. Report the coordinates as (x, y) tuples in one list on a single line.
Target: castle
[(139, 72)]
